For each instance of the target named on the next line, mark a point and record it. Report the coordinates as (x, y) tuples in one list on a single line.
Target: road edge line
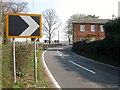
[(49, 73)]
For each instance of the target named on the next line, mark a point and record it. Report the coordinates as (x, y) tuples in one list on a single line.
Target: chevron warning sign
[(24, 26)]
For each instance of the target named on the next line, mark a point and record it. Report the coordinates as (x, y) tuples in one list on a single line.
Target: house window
[(92, 28), (101, 28), (82, 28)]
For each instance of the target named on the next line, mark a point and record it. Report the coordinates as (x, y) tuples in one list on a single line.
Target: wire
[(33, 6)]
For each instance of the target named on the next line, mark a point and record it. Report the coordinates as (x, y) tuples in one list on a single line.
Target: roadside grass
[(28, 80), (7, 81)]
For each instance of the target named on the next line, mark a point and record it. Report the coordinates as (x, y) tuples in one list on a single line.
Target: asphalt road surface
[(74, 71)]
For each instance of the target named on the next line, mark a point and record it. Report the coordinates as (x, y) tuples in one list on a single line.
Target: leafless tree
[(15, 7), (11, 7), (51, 23), (69, 28)]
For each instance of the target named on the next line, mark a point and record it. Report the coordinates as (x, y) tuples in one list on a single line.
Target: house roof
[(92, 21)]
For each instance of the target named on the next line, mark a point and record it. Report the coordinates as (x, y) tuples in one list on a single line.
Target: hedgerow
[(23, 57)]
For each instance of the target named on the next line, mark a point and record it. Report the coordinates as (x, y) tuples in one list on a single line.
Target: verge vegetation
[(24, 67)]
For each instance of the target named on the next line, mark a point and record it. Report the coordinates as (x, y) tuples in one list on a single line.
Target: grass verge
[(28, 80), (7, 79)]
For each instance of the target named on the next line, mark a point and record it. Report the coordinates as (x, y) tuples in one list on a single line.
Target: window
[(101, 28), (92, 28), (82, 28)]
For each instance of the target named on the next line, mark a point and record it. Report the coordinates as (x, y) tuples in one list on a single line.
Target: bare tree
[(69, 28), (11, 7), (15, 7), (51, 23)]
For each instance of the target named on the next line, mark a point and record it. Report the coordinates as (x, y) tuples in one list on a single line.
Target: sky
[(66, 8)]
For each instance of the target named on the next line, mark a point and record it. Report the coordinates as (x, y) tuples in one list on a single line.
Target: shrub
[(23, 57)]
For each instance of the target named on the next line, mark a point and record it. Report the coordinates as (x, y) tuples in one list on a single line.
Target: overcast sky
[(66, 8)]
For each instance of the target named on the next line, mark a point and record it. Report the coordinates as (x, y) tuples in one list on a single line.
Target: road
[(74, 71)]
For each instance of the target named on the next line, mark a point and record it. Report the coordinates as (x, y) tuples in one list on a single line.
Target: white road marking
[(60, 48), (82, 67), (60, 54), (49, 73), (66, 55)]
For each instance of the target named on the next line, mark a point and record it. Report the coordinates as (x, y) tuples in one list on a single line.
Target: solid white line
[(49, 73), (82, 67)]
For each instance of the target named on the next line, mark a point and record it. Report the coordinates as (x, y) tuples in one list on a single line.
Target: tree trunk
[(49, 40), (69, 40)]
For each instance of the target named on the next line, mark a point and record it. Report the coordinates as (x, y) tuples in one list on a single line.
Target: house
[(88, 28)]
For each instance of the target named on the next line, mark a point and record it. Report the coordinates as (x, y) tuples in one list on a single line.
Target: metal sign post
[(35, 62), (14, 65)]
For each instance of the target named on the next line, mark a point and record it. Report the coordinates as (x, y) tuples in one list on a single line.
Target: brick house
[(86, 28)]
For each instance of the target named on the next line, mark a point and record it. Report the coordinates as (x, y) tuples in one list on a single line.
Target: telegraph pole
[(58, 36)]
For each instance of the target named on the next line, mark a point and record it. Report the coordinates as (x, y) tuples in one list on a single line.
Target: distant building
[(88, 28)]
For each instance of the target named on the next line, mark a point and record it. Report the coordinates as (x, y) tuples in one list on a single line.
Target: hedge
[(23, 57), (103, 48)]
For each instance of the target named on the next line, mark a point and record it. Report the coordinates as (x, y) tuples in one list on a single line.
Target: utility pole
[(58, 36)]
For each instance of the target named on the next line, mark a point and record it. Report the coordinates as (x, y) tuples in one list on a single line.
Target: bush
[(103, 48), (23, 56)]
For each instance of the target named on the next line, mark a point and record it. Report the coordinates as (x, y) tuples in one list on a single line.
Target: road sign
[(23, 25)]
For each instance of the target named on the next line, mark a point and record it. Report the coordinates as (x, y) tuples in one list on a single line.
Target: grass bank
[(7, 79), (27, 79)]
